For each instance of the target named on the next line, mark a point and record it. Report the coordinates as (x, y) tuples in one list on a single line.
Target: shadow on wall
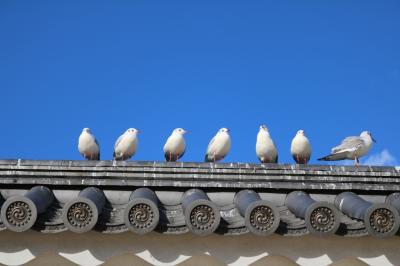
[(177, 248)]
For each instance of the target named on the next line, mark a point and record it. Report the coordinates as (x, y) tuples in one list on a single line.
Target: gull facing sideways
[(351, 148)]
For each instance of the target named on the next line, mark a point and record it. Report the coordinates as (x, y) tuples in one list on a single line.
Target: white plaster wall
[(93, 248)]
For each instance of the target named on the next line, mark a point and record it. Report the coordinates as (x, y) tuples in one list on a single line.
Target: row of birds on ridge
[(351, 148)]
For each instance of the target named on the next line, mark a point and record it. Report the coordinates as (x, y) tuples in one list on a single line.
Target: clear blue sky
[(331, 68)]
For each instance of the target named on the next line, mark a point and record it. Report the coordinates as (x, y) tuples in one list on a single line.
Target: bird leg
[(356, 161)]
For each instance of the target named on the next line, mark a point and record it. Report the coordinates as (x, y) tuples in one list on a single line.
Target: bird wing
[(167, 144), (180, 156), (95, 140), (348, 144), (118, 141), (206, 159), (98, 145), (211, 143), (341, 155)]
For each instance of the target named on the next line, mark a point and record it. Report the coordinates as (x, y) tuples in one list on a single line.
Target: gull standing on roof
[(219, 146), (265, 147), (301, 148), (175, 146), (88, 145), (126, 144), (351, 148)]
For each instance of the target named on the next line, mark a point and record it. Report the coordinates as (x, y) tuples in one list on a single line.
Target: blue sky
[(330, 68)]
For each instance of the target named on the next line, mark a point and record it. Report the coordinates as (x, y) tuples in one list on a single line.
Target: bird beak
[(185, 131), (138, 131)]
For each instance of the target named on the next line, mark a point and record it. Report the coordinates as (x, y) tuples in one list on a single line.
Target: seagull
[(219, 146), (175, 146), (351, 148), (88, 145), (125, 146), (265, 147), (301, 148)]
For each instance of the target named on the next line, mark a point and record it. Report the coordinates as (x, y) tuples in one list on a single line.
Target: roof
[(204, 198)]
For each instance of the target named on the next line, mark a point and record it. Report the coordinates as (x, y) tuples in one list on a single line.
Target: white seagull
[(126, 144), (219, 146), (301, 148), (88, 145), (265, 147), (175, 146), (351, 148)]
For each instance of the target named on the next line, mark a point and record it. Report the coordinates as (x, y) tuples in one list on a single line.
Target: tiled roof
[(228, 198)]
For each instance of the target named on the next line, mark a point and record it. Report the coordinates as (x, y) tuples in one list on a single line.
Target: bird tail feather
[(333, 157)]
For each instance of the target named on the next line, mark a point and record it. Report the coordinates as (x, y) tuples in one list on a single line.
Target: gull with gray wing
[(88, 145), (265, 147), (175, 146), (219, 146), (126, 145), (351, 148)]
